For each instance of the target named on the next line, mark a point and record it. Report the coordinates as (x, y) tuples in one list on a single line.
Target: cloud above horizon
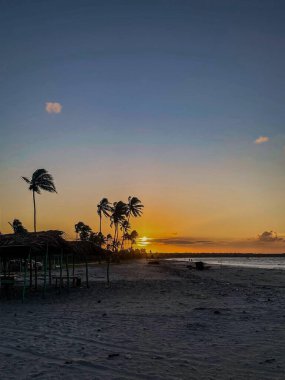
[(53, 107), (261, 140), (266, 237), (179, 241), (269, 237)]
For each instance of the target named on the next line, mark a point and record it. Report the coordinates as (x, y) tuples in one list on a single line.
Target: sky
[(180, 103)]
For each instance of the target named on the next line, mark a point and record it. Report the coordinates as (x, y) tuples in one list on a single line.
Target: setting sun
[(143, 242)]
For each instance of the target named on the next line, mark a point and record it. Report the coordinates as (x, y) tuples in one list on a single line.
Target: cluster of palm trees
[(119, 214)]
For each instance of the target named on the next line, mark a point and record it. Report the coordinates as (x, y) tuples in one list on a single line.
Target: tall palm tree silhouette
[(134, 208), (103, 207), (117, 216), (41, 180)]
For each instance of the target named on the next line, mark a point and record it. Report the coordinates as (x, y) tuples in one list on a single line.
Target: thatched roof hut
[(36, 241), (52, 250)]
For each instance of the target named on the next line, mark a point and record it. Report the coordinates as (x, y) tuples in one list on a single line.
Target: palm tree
[(133, 237), (125, 227), (108, 241), (118, 214), (134, 208), (83, 230), (127, 237), (103, 207), (41, 180), (98, 238)]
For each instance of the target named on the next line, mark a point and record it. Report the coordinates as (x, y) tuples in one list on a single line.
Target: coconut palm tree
[(124, 227), (41, 180), (98, 238), (109, 241), (118, 215), (133, 237), (103, 207), (134, 207)]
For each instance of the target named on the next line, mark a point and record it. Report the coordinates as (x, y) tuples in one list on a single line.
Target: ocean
[(274, 262)]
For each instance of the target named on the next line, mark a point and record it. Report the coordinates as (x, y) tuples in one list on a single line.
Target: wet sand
[(154, 322)]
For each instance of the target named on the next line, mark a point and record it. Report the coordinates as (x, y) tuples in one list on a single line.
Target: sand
[(154, 322)]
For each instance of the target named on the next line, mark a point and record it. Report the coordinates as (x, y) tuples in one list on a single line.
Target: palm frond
[(41, 180), (104, 207), (134, 207), (48, 188), (26, 179)]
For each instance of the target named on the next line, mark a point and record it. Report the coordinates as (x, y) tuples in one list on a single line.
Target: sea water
[(274, 262)]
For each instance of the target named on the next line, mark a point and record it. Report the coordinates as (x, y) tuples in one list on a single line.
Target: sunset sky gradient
[(180, 103)]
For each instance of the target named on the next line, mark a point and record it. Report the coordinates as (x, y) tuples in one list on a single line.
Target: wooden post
[(36, 273), (45, 272), (4, 266), (86, 268), (49, 269), (73, 264), (67, 270), (31, 271), (60, 282), (25, 276), (108, 269)]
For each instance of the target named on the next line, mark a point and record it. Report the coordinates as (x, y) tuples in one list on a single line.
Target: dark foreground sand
[(155, 322)]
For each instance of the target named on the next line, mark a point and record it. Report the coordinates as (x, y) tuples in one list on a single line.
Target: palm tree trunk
[(100, 226), (35, 212), (115, 237), (123, 239), (115, 234)]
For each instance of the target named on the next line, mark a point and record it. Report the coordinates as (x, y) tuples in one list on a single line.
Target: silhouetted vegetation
[(119, 214), (103, 207), (83, 230), (41, 180), (18, 227), (118, 245)]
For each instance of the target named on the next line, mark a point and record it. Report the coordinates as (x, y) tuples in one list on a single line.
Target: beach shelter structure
[(41, 250)]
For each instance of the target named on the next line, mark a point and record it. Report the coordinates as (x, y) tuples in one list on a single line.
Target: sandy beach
[(154, 322)]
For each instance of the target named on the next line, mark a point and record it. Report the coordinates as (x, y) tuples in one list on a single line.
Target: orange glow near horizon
[(172, 221)]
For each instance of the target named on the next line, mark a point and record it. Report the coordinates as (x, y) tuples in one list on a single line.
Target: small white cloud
[(261, 140), (53, 107)]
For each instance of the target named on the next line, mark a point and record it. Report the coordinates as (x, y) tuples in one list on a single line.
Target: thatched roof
[(37, 241)]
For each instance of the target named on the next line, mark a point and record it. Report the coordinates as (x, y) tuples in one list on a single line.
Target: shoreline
[(227, 263), (207, 254)]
